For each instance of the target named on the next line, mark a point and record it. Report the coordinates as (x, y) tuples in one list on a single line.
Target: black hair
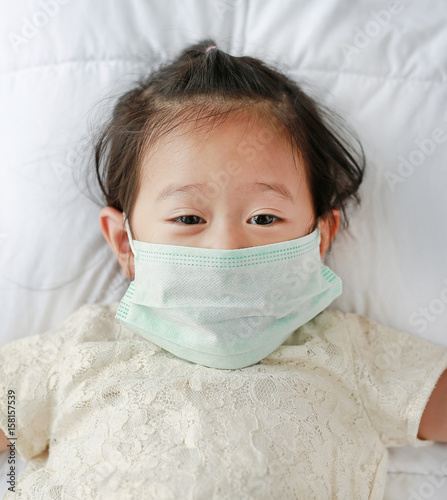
[(209, 86)]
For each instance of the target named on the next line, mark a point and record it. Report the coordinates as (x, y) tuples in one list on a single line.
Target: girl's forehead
[(241, 139), (232, 156)]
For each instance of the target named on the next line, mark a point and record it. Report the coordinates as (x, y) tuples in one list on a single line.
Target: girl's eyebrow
[(258, 187)]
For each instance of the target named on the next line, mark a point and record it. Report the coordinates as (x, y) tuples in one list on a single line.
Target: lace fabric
[(103, 413)]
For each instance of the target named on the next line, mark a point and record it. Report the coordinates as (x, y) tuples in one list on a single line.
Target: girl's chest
[(274, 419)]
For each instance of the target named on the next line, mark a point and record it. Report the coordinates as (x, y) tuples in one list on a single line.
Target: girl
[(221, 373)]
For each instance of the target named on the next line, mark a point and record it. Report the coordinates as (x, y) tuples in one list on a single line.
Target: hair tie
[(210, 47)]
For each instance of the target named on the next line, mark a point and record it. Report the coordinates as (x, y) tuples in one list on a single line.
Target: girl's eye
[(265, 219), (192, 220), (186, 220)]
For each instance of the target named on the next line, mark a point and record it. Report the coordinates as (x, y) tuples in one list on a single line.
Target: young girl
[(221, 373)]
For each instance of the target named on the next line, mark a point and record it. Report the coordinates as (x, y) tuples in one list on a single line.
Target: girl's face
[(235, 186)]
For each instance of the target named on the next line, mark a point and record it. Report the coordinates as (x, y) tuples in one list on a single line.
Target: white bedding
[(382, 64)]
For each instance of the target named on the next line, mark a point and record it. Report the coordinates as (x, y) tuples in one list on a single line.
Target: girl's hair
[(207, 87)]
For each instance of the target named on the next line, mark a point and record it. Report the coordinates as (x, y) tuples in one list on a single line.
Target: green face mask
[(226, 308)]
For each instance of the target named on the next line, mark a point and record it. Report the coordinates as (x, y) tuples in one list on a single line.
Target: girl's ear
[(111, 222), (328, 231)]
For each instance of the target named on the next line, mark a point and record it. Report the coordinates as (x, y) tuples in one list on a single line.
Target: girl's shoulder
[(332, 324), (95, 322), (88, 323), (348, 322), (375, 342), (325, 326)]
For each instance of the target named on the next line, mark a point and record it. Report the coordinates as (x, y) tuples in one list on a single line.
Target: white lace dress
[(102, 413)]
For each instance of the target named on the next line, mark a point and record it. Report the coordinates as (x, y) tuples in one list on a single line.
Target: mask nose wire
[(129, 235)]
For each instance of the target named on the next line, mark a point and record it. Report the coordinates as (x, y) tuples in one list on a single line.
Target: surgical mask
[(226, 308)]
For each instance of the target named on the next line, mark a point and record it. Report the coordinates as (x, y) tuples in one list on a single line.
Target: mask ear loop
[(129, 235), (318, 231), (316, 227)]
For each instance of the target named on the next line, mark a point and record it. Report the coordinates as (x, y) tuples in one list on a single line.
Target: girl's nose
[(226, 237)]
